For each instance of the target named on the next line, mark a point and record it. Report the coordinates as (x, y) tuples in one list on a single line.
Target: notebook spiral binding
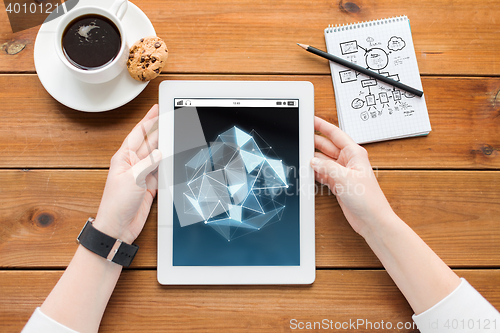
[(363, 24)]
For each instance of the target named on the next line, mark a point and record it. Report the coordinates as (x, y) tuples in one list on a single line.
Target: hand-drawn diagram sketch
[(368, 109), (376, 99)]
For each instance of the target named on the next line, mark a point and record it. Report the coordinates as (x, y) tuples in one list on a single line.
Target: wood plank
[(140, 304), (235, 36), (39, 132), (456, 212)]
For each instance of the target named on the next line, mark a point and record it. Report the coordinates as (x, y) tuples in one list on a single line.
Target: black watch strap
[(106, 246)]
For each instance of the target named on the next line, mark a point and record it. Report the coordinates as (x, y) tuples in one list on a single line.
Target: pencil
[(363, 70)]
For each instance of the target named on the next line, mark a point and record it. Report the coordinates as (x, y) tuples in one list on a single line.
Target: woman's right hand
[(343, 165)]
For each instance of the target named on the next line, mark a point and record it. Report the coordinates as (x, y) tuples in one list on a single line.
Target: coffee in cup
[(90, 41)]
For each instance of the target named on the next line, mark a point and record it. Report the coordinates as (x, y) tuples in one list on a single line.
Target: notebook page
[(370, 110)]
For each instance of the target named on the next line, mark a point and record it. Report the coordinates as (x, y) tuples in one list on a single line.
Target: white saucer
[(76, 94)]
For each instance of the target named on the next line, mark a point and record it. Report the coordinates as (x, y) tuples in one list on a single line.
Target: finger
[(320, 178), (321, 155), (145, 166), (327, 167), (326, 146), (136, 137), (152, 184), (150, 143), (339, 138), (155, 174)]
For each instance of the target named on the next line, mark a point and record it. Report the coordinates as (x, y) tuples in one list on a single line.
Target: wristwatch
[(112, 249)]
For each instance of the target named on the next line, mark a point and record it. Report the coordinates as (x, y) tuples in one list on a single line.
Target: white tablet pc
[(236, 190)]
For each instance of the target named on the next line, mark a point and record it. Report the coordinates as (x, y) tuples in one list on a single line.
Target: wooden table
[(54, 160)]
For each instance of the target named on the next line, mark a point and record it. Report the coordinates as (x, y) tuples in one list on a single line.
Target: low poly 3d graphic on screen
[(237, 185)]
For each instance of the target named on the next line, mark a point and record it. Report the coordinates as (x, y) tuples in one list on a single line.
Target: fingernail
[(315, 161), (157, 154)]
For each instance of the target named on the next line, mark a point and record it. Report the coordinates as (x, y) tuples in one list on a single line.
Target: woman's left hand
[(131, 184)]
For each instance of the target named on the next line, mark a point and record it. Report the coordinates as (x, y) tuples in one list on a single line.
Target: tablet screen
[(236, 197)]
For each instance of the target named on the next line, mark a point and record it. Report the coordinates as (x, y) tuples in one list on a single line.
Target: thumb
[(145, 166), (328, 168)]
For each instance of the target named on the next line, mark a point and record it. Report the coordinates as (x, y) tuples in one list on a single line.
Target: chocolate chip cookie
[(147, 58)]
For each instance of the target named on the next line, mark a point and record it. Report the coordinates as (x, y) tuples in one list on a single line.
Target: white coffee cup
[(102, 74)]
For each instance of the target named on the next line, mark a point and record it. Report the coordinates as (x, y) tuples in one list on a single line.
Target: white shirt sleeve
[(41, 323), (464, 310)]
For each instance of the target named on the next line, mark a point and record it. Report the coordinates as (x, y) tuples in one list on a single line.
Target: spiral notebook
[(369, 110)]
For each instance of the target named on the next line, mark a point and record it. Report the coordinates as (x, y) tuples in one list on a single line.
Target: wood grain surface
[(446, 186), (140, 304), (248, 36), (456, 212), (38, 132)]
